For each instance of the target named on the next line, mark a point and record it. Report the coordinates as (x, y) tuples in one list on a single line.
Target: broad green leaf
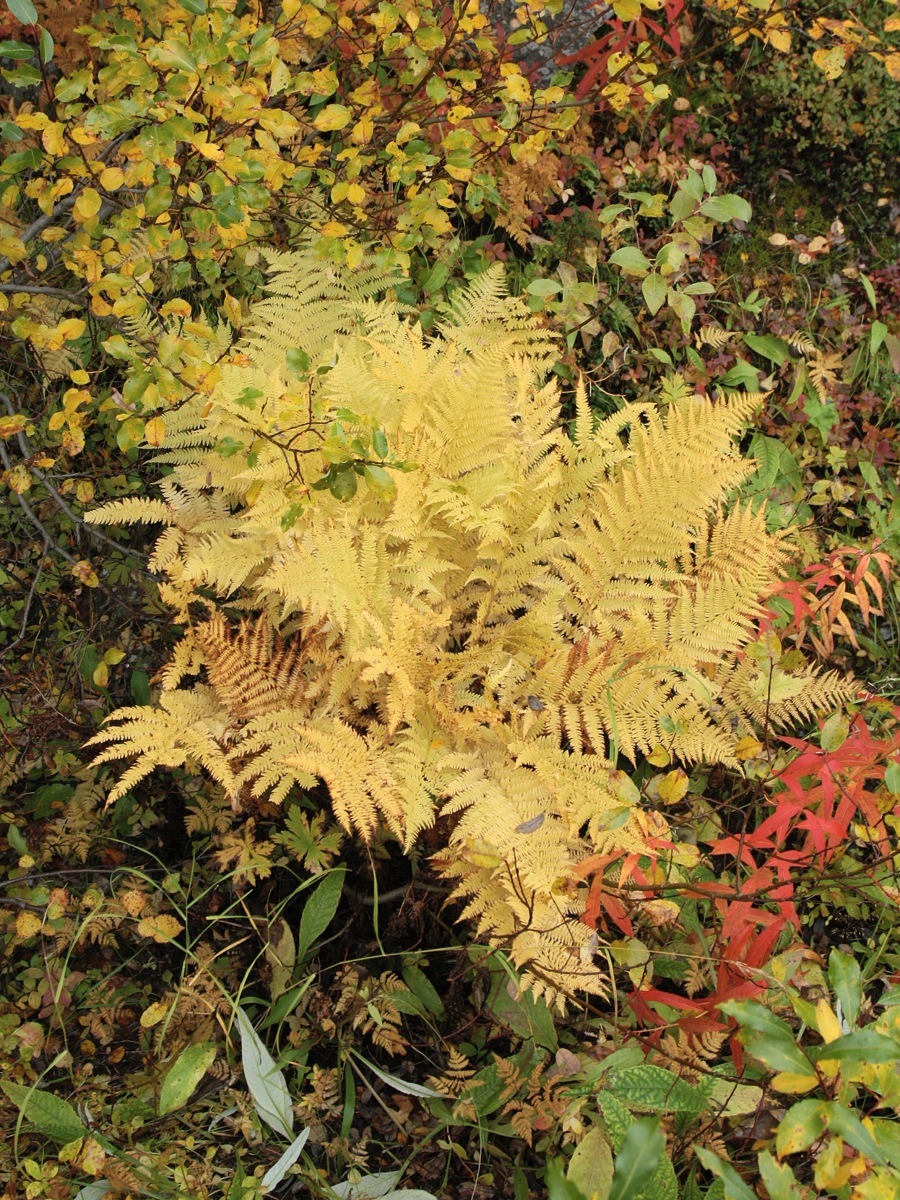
[(734, 1186), (278, 1170), (892, 778), (16, 50), (172, 54), (781, 1182), (637, 1161), (543, 288), (264, 1080), (834, 733), (49, 1114), (631, 260), (422, 987), (654, 288), (559, 1186), (46, 46), (846, 1124), (803, 1124), (184, 1075), (23, 10), (591, 1165), (197, 7), (775, 349), (320, 908), (726, 208), (380, 482), (656, 1089), (860, 1046)]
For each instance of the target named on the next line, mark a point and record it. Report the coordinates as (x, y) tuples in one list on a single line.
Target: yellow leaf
[(114, 656), (290, 8), (829, 1025), (831, 62), (13, 248), (111, 179), (93, 1157), (334, 229), (362, 131), (356, 194), (52, 139), (155, 431), (747, 747), (659, 756), (780, 39), (175, 308), (100, 676), (161, 928), (87, 205), (84, 572), (627, 10), (71, 328), (27, 924), (9, 426), (333, 116), (794, 1084), (661, 912), (153, 1014), (673, 787), (209, 150)]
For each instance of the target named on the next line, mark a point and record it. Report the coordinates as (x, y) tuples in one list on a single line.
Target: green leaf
[(422, 987), (543, 288), (343, 484), (559, 1187), (51, 1115), (726, 208), (22, 160), (140, 687), (847, 1125), (775, 349), (23, 10), (46, 46), (16, 50), (781, 1182), (403, 1086), (184, 1075), (264, 1080), (130, 434), (319, 910), (869, 290), (157, 200), (380, 482), (656, 1089), (860, 1046), (631, 260), (591, 1165), (248, 396), (834, 733), (637, 1161), (380, 443), (298, 362), (278, 1170), (654, 289), (197, 7), (174, 55), (803, 1124), (735, 1188), (892, 778)]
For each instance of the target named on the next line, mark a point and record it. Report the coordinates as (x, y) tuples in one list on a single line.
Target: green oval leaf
[(184, 1075)]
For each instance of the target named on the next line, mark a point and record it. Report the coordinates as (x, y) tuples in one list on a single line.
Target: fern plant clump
[(484, 636)]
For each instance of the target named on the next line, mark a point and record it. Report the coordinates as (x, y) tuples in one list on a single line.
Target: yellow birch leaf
[(659, 756), (155, 431), (100, 676), (209, 150), (153, 1014), (831, 62), (829, 1025), (673, 787), (71, 328), (290, 8), (747, 747), (53, 140), (161, 928), (87, 205), (794, 1084), (28, 924), (780, 39), (9, 426), (627, 10), (333, 116), (111, 179)]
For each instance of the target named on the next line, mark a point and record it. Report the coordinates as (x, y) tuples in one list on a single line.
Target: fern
[(485, 640)]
